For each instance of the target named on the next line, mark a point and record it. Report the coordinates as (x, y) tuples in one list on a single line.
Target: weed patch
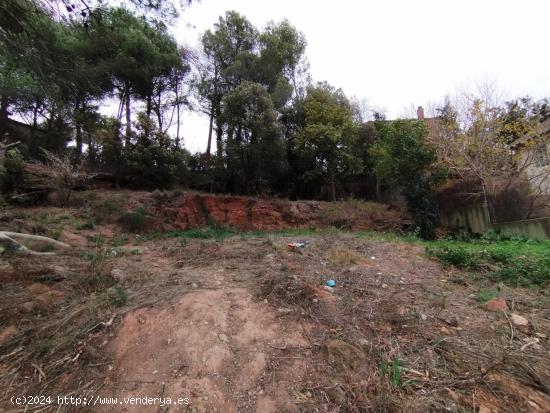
[(518, 262), (135, 221)]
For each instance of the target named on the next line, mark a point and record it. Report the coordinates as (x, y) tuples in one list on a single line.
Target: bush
[(57, 173), (13, 177), (117, 295), (525, 271), (457, 256), (136, 220)]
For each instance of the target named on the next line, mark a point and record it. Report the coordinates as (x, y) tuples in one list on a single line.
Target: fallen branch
[(9, 242)]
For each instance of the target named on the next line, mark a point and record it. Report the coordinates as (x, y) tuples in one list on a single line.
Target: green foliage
[(13, 176), (152, 160), (135, 221), (516, 262), (118, 295), (395, 370), (458, 256), (405, 160), (255, 149), (329, 132), (483, 295), (104, 209)]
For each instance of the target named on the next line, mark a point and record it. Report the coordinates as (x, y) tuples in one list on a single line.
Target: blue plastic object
[(331, 283)]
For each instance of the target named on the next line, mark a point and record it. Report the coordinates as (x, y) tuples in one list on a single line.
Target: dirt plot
[(214, 347), (244, 324)]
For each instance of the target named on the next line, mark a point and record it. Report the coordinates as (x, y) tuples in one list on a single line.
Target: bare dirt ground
[(243, 324)]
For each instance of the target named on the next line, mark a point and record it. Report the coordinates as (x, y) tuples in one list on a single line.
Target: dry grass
[(392, 306), (343, 256), (362, 215)]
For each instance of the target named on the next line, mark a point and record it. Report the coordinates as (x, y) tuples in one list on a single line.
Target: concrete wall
[(475, 218), (472, 218), (538, 228)]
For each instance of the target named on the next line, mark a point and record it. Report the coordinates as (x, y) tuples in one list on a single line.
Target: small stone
[(223, 337), (28, 307), (265, 300), (363, 342), (423, 317), (445, 331), (315, 300), (118, 275), (519, 320), (7, 332), (384, 285), (496, 304), (373, 257), (195, 285), (454, 395), (484, 409)]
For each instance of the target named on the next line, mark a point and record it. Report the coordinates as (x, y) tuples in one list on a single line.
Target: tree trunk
[(148, 106), (333, 185), (78, 129), (219, 133), (128, 118), (4, 104), (177, 115), (210, 127)]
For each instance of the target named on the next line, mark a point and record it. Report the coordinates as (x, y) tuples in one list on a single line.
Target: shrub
[(136, 220), (483, 295), (525, 271), (106, 208), (56, 173), (457, 256), (510, 261), (118, 295), (13, 177)]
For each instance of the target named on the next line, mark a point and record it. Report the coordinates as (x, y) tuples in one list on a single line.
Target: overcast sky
[(399, 53)]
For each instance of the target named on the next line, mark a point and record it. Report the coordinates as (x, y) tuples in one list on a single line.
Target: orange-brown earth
[(244, 324)]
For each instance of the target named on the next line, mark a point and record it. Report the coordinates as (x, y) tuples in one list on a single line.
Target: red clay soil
[(197, 210), (192, 210)]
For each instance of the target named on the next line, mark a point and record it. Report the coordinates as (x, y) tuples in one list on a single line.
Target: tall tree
[(329, 132), (255, 148), (406, 161), (228, 53)]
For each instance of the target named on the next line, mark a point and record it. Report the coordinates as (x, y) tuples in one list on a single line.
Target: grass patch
[(220, 233), (105, 208), (516, 261), (117, 295), (135, 221), (483, 295)]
